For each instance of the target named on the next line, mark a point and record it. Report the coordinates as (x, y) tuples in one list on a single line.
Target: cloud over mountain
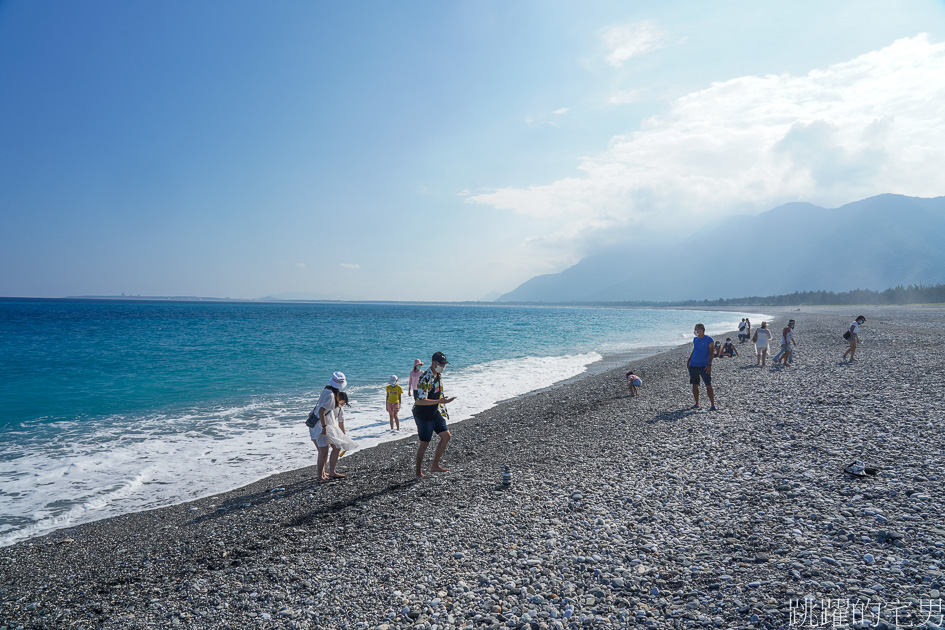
[(869, 125)]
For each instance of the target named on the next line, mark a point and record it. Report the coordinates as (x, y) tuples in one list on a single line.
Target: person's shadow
[(672, 416)]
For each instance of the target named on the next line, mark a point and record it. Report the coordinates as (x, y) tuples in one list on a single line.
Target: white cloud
[(632, 40), (463, 193), (300, 265), (626, 97), (350, 266), (549, 119), (870, 125)]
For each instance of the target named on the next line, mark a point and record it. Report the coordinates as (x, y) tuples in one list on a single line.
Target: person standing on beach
[(414, 379), (700, 365), (429, 412), (787, 338), (853, 336), (747, 328), (761, 339), (394, 394), (328, 412), (742, 331)]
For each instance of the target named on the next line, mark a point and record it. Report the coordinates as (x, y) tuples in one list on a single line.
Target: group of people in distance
[(762, 339), (704, 350), (326, 420)]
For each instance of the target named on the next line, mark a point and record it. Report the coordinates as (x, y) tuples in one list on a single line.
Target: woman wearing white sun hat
[(329, 423)]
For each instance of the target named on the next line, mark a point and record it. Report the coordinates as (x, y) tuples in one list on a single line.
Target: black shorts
[(696, 372), (429, 423)]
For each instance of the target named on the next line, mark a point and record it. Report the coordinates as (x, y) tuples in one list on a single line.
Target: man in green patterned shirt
[(429, 412)]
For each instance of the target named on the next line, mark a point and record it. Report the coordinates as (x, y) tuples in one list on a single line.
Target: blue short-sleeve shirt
[(701, 351)]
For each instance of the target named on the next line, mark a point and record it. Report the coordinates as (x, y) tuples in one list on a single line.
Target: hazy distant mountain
[(310, 297), (875, 243), (491, 296)]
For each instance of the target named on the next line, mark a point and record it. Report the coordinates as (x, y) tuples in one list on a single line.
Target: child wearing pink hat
[(415, 375)]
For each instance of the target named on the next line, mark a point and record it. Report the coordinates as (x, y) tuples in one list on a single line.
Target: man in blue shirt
[(700, 365)]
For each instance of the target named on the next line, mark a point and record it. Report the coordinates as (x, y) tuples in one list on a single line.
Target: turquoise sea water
[(110, 407)]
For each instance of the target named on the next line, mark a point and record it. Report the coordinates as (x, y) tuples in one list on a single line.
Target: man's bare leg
[(421, 451), (438, 453), (695, 394)]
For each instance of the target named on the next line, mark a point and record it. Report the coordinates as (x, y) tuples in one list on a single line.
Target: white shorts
[(760, 347)]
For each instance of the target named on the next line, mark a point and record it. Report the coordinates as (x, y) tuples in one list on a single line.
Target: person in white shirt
[(328, 412), (761, 338), (742, 331), (854, 338)]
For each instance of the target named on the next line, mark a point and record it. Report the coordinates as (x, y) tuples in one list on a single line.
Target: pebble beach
[(622, 512)]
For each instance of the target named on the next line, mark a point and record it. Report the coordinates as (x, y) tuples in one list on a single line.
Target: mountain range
[(876, 243)]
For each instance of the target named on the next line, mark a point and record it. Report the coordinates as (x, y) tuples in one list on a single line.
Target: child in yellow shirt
[(394, 393)]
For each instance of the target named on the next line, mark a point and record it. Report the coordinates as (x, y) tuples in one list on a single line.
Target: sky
[(430, 150)]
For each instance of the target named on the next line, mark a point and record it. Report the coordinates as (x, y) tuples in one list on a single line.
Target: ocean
[(114, 407)]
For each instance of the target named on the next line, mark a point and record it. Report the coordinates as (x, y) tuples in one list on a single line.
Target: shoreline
[(80, 513), (621, 511)]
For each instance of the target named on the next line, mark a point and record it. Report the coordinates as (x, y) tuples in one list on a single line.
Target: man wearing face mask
[(700, 365), (429, 412)]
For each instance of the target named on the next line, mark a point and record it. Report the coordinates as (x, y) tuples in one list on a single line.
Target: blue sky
[(434, 150)]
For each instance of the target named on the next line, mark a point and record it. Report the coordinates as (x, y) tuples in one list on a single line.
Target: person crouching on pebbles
[(328, 411), (700, 365), (633, 381), (429, 412)]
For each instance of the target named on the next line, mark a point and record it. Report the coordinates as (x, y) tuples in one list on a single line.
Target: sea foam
[(129, 464), (55, 474)]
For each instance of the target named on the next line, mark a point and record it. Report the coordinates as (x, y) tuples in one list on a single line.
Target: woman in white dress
[(761, 338), (329, 429)]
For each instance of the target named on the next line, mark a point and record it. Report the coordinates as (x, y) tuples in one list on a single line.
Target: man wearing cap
[(429, 412)]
